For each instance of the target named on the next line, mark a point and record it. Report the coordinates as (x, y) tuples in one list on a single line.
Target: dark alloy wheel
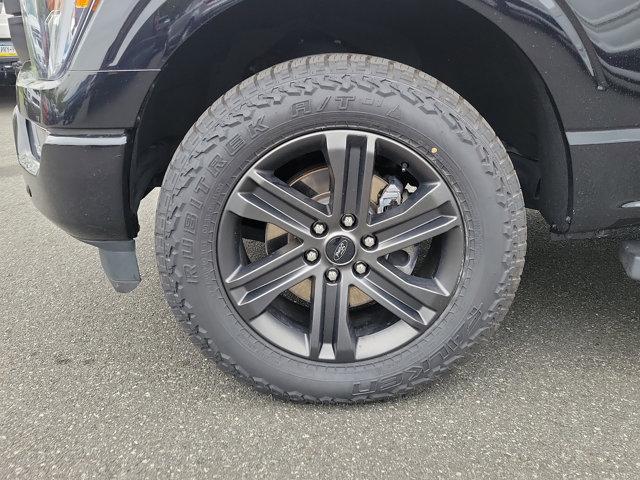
[(333, 260), (340, 228)]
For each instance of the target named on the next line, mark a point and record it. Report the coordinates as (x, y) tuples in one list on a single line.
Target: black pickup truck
[(343, 183)]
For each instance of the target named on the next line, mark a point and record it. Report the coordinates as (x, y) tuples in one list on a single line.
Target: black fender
[(547, 31)]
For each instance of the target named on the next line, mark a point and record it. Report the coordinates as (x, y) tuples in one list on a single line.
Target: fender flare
[(547, 32), (123, 49)]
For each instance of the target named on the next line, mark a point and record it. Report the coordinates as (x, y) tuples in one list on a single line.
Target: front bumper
[(75, 181)]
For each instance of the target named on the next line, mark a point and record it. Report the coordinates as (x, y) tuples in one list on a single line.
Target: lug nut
[(312, 255), (332, 275), (348, 221), (369, 241), (361, 268), (319, 228)]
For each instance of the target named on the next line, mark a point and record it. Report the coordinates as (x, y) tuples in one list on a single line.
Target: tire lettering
[(299, 109), (257, 128), (190, 273), (234, 145), (394, 113), (344, 102), (324, 104), (197, 204), (190, 223), (216, 165), (187, 248), (202, 187)]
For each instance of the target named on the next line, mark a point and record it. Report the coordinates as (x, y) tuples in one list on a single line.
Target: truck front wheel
[(340, 228)]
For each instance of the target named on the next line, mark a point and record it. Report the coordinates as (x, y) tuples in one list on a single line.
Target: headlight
[(53, 28)]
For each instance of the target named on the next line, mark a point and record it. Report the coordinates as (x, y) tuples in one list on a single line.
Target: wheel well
[(444, 39)]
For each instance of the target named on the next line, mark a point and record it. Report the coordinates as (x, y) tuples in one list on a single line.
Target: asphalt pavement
[(98, 385)]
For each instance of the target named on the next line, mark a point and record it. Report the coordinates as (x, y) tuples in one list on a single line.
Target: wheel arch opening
[(445, 39)]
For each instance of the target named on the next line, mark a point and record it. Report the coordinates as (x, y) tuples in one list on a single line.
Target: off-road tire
[(339, 91)]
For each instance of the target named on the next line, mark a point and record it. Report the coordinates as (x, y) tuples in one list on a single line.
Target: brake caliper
[(391, 195)]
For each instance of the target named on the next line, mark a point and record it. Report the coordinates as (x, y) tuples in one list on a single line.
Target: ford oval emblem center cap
[(340, 250)]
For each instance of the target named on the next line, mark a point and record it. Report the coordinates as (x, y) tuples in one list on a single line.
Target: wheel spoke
[(331, 335), (413, 232), (256, 285), (270, 200), (351, 159), (413, 300), (430, 292), (286, 255)]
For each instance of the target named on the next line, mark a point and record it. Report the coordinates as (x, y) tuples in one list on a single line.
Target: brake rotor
[(316, 184)]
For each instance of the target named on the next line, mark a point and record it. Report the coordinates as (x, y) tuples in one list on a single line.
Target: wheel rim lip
[(370, 347)]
